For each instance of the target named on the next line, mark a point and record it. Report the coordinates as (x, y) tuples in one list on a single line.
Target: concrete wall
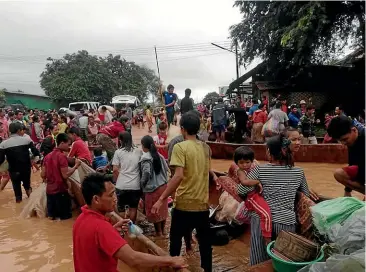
[(327, 153)]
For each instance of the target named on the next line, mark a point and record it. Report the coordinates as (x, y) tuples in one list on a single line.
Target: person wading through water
[(16, 151), (154, 179), (191, 160), (126, 173), (55, 172)]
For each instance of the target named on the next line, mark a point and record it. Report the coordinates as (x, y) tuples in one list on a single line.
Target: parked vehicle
[(78, 106), (120, 101)]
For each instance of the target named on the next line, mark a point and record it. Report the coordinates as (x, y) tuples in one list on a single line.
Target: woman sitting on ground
[(154, 180)]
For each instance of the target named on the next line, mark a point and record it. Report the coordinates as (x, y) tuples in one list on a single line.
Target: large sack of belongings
[(37, 203)]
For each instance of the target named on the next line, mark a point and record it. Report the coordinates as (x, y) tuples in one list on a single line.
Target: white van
[(120, 101), (78, 106)]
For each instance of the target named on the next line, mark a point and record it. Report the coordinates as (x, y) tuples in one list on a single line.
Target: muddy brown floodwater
[(31, 245)]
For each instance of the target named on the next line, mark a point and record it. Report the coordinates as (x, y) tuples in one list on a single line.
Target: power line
[(166, 48), (189, 57), (188, 50), (27, 82), (151, 52)]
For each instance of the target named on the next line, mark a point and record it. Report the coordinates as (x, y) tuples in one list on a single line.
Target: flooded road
[(30, 245)]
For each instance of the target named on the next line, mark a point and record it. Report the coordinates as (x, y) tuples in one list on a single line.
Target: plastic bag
[(37, 203), (134, 230), (330, 212), (242, 215), (270, 128), (340, 263), (350, 239), (229, 206), (350, 236)]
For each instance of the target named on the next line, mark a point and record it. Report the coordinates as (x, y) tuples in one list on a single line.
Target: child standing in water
[(244, 158)]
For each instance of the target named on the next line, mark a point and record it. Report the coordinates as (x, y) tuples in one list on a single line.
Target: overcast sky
[(182, 31)]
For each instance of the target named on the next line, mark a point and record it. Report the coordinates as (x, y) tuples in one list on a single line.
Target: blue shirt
[(293, 120), (253, 109), (99, 161), (169, 98)]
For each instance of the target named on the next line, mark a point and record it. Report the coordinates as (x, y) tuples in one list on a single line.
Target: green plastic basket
[(285, 266)]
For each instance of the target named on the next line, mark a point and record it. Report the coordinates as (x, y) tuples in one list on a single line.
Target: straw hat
[(302, 102)]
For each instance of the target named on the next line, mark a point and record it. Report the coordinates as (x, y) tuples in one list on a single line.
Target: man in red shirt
[(97, 245), (109, 132), (55, 172), (79, 148)]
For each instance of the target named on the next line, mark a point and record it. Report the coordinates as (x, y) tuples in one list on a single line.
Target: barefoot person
[(154, 179), (97, 245), (352, 176), (191, 159)]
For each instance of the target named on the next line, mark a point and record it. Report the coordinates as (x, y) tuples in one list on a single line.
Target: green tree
[(210, 97), (2, 97), (81, 76), (132, 79), (285, 33)]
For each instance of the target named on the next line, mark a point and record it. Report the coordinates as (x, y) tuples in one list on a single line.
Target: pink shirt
[(5, 133)]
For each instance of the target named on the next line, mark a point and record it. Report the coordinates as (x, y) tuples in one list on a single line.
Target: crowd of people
[(161, 171), (260, 120)]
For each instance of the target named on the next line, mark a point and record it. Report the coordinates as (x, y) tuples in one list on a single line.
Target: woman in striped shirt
[(280, 181)]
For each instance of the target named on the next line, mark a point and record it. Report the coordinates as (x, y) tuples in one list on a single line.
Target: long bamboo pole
[(160, 85)]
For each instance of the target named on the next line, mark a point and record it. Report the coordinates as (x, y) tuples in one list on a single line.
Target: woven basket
[(296, 247)]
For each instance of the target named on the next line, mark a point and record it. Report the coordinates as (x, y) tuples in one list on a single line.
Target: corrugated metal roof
[(25, 93)]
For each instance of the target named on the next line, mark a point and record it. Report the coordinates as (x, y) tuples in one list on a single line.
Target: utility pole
[(160, 85), (236, 55), (236, 59)]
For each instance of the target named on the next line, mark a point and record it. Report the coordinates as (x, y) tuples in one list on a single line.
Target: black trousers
[(170, 117), (59, 206), (184, 222), (17, 178)]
